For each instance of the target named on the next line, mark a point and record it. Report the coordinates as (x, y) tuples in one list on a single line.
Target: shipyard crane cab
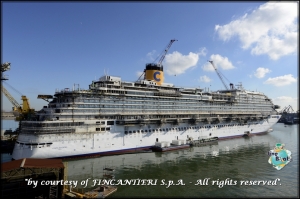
[(22, 112), (154, 72)]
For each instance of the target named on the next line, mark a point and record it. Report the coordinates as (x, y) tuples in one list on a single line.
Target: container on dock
[(176, 142), (183, 141), (162, 144)]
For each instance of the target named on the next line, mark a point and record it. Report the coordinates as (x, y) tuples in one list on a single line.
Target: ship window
[(102, 122), (130, 132), (108, 128), (102, 129), (146, 131), (98, 123), (134, 131), (110, 122), (149, 130), (125, 132)]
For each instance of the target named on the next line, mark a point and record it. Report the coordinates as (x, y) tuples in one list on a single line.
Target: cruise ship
[(114, 117)]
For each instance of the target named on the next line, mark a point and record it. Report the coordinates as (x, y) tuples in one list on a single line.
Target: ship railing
[(72, 91), (144, 111), (47, 130)]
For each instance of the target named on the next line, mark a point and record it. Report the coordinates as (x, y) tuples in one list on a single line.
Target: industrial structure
[(17, 178), (22, 112), (289, 116)]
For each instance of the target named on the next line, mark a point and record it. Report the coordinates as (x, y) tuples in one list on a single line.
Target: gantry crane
[(231, 85), (25, 110)]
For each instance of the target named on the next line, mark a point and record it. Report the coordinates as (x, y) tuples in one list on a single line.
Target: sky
[(52, 46)]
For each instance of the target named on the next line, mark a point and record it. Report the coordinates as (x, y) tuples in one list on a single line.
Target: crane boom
[(219, 75), (24, 110), (165, 52), (17, 106)]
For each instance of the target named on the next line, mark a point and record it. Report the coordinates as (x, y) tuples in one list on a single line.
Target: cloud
[(219, 62), (204, 79), (285, 98), (176, 63), (286, 101), (151, 54), (202, 52), (271, 29), (281, 80), (261, 72)]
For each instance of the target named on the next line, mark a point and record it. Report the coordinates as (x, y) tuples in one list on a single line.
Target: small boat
[(100, 192), (204, 141)]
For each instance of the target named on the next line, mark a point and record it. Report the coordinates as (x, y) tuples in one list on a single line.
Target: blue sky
[(53, 45)]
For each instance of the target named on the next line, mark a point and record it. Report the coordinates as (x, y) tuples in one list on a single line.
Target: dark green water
[(227, 162)]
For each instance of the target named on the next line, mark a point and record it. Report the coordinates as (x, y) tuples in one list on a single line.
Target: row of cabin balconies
[(177, 121)]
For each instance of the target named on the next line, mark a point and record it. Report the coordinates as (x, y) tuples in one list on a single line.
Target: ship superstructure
[(114, 116)]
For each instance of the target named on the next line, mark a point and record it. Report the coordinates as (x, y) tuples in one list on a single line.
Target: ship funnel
[(155, 73)]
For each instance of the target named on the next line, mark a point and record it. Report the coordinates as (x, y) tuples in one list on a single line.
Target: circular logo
[(279, 157)]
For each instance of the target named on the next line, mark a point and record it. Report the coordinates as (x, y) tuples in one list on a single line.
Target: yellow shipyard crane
[(24, 110)]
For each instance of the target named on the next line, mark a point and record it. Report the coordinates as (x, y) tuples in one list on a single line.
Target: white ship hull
[(116, 142)]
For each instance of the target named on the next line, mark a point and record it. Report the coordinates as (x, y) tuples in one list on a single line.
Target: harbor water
[(228, 168)]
